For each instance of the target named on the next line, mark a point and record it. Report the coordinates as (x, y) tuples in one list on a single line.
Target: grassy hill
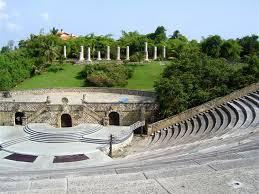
[(143, 77)]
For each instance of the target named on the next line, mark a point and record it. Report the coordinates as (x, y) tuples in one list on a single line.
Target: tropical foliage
[(195, 79), (199, 71)]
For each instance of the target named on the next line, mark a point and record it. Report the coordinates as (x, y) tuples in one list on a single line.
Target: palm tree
[(51, 52), (54, 31)]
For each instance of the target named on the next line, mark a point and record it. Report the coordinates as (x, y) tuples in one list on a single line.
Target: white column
[(155, 53), (108, 54), (164, 52), (65, 51), (118, 53), (127, 53), (89, 54), (99, 56), (81, 58), (146, 52)]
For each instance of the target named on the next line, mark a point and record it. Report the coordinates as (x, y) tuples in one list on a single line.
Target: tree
[(54, 31), (191, 81), (159, 35), (178, 35), (51, 53), (42, 31), (212, 45), (10, 44), (46, 48), (250, 45), (9, 47), (230, 49), (134, 40), (5, 49), (179, 48)]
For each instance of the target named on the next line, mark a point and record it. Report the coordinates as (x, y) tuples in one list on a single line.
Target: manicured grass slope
[(143, 77), (64, 78)]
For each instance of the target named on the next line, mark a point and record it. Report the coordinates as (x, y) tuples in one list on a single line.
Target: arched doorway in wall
[(66, 120), (18, 118), (114, 118)]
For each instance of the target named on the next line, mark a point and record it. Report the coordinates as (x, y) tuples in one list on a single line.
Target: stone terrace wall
[(202, 108), (88, 89)]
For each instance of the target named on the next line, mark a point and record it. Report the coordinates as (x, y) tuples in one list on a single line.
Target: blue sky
[(195, 19)]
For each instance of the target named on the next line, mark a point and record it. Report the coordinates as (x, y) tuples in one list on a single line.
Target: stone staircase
[(35, 115), (48, 137)]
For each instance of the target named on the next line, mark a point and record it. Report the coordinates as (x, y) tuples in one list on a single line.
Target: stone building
[(65, 36), (74, 106)]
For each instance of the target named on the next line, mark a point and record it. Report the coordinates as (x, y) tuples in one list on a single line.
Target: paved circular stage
[(42, 146)]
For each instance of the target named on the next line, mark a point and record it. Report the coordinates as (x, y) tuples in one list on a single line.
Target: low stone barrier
[(87, 89), (202, 108)]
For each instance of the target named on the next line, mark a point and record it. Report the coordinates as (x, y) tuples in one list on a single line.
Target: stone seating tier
[(215, 151)]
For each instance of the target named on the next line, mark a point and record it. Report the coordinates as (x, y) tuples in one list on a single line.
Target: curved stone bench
[(225, 119)]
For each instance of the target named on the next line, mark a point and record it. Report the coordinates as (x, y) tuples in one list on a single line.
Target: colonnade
[(118, 56)]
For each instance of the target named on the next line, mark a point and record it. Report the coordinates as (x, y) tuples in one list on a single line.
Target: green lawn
[(64, 78), (143, 77)]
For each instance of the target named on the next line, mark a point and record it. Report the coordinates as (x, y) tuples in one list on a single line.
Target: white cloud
[(2, 5), (6, 22), (45, 16), (12, 27), (3, 16)]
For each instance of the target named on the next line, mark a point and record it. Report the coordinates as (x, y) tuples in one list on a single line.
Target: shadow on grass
[(81, 76)]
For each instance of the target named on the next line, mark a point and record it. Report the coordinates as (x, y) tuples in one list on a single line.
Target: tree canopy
[(199, 71)]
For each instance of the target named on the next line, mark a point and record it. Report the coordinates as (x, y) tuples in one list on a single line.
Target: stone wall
[(85, 113), (88, 89), (202, 108), (44, 112)]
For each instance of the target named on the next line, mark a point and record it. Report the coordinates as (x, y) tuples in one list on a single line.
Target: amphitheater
[(212, 148)]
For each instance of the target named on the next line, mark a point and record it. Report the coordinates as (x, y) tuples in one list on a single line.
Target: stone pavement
[(76, 97)]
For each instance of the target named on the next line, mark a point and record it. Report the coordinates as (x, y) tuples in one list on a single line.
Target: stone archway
[(114, 118), (18, 118), (66, 120)]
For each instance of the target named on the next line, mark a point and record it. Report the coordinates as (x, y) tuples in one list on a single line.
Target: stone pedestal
[(24, 120), (105, 121), (118, 53), (84, 98), (65, 52), (146, 52), (81, 57), (164, 52), (88, 54), (108, 58), (48, 101), (155, 53), (99, 56), (142, 113), (127, 53)]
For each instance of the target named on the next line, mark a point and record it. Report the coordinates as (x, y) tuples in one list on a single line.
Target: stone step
[(130, 183), (232, 181)]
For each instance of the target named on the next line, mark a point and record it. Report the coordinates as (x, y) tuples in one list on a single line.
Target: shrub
[(55, 68), (137, 57), (15, 66), (106, 75)]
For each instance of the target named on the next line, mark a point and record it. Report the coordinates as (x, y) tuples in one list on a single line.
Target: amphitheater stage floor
[(39, 143)]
